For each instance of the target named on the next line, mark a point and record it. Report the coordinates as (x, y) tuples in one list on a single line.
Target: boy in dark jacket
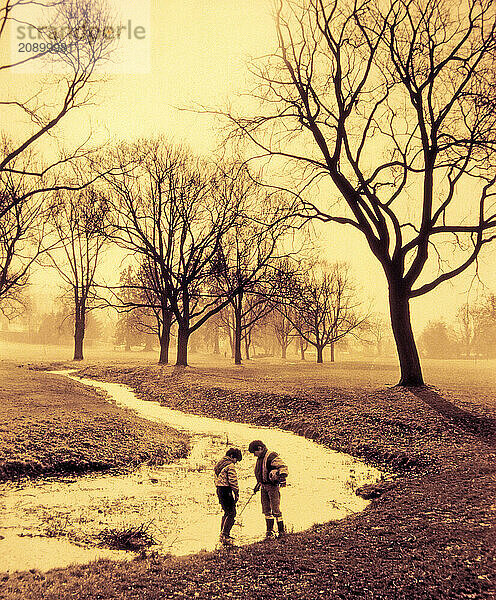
[(271, 473), (226, 483)]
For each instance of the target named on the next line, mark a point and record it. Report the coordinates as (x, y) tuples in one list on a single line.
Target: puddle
[(19, 553), (176, 503)]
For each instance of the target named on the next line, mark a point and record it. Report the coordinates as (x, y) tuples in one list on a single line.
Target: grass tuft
[(134, 538)]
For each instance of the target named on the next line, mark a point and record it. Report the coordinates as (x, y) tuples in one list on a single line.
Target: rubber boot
[(228, 525), (226, 540), (280, 528), (270, 528)]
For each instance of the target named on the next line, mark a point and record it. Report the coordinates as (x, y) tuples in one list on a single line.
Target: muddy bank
[(390, 428), (51, 426)]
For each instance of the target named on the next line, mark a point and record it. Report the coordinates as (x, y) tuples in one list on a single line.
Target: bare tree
[(283, 329), (138, 319), (476, 327), (155, 292), (214, 337), (123, 297), (171, 211), (240, 318), (467, 327), (393, 103), (71, 46), (25, 179), (23, 229), (257, 307), (322, 306), (224, 319), (248, 251), (142, 297), (79, 220), (375, 331), (125, 332), (303, 347)]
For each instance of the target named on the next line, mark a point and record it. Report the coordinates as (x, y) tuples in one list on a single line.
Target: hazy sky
[(195, 51)]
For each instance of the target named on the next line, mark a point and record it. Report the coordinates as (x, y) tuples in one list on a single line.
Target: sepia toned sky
[(196, 52)]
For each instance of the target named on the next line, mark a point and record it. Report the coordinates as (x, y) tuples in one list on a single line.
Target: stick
[(247, 502)]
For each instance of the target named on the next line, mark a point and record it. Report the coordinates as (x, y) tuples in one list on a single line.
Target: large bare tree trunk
[(399, 307), (79, 326), (320, 354), (182, 346), (164, 347)]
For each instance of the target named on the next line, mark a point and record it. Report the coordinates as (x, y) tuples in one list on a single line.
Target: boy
[(226, 483), (271, 474)]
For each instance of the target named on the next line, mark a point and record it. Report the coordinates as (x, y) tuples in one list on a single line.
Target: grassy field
[(51, 425), (429, 534)]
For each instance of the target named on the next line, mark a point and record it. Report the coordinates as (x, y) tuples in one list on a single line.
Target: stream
[(56, 522)]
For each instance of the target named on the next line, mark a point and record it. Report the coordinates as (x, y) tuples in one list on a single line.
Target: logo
[(109, 37)]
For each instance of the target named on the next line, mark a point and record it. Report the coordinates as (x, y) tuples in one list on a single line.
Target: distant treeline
[(473, 335)]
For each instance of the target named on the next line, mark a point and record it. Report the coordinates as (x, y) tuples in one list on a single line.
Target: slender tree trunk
[(332, 351), (302, 349), (320, 354), (148, 344), (237, 338), (216, 339), (237, 329), (399, 307), (231, 340), (283, 350), (247, 347), (79, 326), (182, 346), (164, 337), (128, 338)]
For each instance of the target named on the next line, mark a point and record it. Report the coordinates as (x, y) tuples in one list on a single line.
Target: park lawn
[(51, 425), (429, 534)]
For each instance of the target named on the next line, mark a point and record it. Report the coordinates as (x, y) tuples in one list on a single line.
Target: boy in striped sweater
[(226, 483), (271, 473)]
